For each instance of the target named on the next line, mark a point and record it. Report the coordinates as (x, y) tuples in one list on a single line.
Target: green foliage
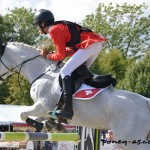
[(137, 78), (124, 25), (4, 92), (4, 27), (18, 94), (128, 34), (111, 62), (1, 25), (19, 23), (43, 42)]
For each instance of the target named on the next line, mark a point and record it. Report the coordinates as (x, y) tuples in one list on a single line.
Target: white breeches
[(86, 56)]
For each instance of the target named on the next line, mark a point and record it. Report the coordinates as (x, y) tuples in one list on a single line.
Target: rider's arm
[(59, 36)]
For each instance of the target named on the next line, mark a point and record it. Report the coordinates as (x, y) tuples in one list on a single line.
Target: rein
[(51, 68), (12, 70)]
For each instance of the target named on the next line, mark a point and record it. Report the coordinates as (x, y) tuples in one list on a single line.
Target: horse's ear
[(0, 42), (2, 47), (11, 38)]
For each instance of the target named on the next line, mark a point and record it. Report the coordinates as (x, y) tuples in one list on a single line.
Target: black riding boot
[(67, 111)]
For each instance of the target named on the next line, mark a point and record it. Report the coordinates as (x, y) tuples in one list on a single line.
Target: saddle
[(83, 75)]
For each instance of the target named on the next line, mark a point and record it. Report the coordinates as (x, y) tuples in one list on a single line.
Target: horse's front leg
[(37, 125), (37, 110)]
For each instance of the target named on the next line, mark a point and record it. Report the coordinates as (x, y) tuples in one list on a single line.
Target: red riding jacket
[(60, 36)]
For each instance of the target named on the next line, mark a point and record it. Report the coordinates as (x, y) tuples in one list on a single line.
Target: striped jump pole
[(38, 136)]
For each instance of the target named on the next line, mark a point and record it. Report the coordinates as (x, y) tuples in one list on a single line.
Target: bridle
[(12, 70)]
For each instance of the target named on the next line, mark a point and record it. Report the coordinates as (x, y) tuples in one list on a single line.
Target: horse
[(126, 113)]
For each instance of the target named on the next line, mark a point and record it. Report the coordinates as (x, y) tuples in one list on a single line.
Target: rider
[(83, 49)]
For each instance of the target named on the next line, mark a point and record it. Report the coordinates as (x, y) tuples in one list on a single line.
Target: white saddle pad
[(85, 92)]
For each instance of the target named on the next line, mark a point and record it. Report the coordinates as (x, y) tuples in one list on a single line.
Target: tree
[(19, 23), (4, 92), (3, 30), (111, 62), (18, 94), (128, 34), (137, 78), (125, 27), (1, 26), (43, 42)]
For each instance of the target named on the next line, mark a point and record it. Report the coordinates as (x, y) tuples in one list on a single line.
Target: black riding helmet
[(43, 15)]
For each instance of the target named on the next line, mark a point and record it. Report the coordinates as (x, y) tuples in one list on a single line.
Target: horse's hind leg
[(132, 133), (135, 146)]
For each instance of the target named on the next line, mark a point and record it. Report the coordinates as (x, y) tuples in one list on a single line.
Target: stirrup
[(53, 113), (64, 114)]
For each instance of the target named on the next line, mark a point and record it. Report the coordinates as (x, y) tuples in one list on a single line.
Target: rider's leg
[(81, 56), (86, 56), (83, 71), (67, 111)]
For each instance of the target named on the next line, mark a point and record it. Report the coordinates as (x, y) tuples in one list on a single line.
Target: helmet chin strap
[(44, 31), (42, 28)]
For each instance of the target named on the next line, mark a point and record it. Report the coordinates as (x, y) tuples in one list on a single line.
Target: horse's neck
[(33, 68)]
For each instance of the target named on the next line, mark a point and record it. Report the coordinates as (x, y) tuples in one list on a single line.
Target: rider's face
[(44, 29), (40, 30)]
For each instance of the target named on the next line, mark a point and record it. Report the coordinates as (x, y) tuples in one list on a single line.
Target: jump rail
[(35, 136)]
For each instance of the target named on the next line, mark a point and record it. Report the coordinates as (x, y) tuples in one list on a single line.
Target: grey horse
[(126, 113)]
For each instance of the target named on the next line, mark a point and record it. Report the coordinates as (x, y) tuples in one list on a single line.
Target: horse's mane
[(24, 45)]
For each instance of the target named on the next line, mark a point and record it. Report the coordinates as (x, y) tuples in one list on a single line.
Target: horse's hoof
[(40, 119), (60, 128), (50, 125), (37, 125)]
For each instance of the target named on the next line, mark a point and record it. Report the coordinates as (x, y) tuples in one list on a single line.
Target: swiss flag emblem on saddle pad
[(86, 94)]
